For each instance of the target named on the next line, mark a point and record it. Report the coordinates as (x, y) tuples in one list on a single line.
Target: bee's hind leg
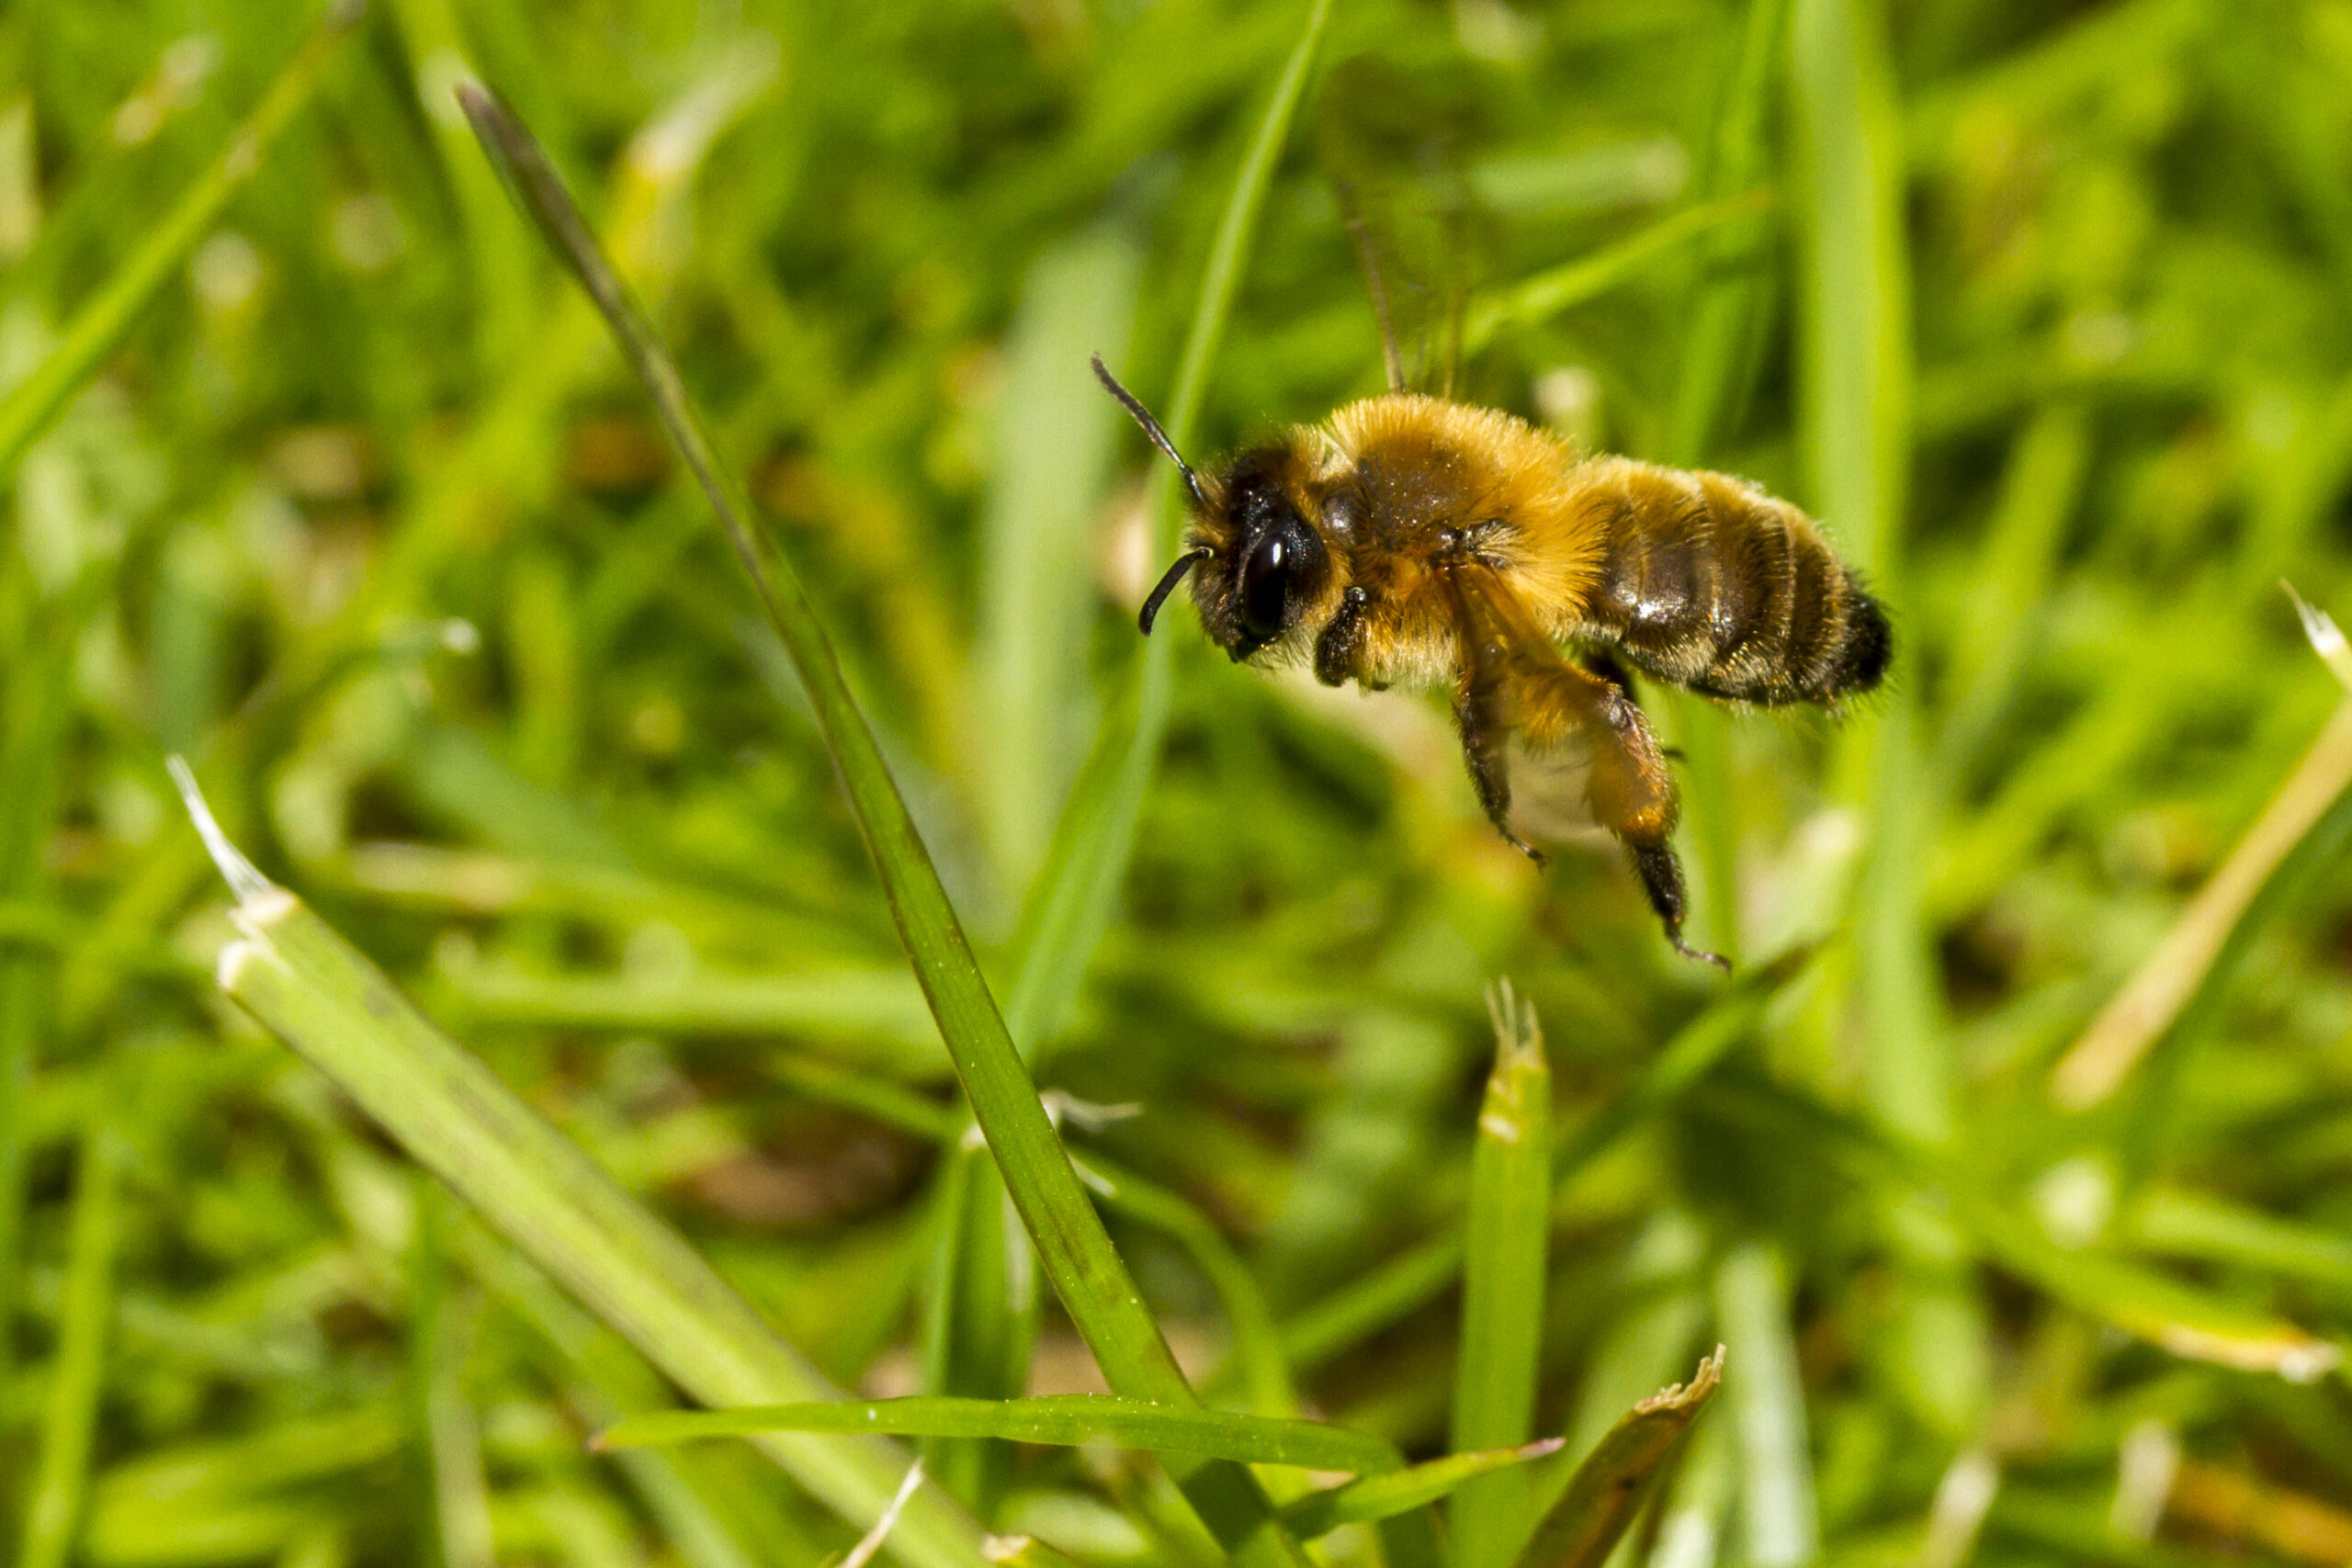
[(1661, 875), (1629, 790), (1481, 712)]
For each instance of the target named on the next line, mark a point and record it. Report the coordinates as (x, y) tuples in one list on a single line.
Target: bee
[(1416, 541)]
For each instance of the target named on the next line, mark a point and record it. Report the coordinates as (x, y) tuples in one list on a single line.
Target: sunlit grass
[(2010, 1168)]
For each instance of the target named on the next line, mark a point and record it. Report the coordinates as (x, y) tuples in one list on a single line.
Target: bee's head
[(1261, 566)]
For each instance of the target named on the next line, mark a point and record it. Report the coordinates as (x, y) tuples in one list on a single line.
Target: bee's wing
[(1392, 144), (1568, 745)]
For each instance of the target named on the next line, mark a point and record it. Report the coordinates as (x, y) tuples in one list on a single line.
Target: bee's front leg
[(1342, 644)]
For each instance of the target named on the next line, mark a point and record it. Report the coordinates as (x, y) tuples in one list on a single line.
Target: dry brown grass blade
[(2139, 1015), (1610, 1487)]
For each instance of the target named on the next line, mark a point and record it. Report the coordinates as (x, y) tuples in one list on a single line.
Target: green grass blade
[(1539, 299), (1722, 356), (1385, 1496), (1071, 904), (2150, 1306), (1778, 1517), (453, 1115), (2199, 1225), (1054, 445), (1260, 1370), (1613, 1483), (100, 324), (1507, 1234), (1353, 1313), (1066, 1419), (53, 1516), (1087, 1273)]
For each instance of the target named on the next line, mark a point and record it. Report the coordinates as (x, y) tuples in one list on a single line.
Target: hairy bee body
[(1411, 540), (1700, 580)]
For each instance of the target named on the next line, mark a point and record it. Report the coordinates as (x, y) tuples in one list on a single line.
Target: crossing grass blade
[(1614, 1480), (1087, 1273), (100, 325), (1385, 1496), (1065, 1419)]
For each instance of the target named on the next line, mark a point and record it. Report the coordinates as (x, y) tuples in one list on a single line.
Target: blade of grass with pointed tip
[(1385, 1496), (452, 1113), (1610, 1487), (1087, 1273), (1506, 1240), (1067, 1420), (1355, 1313), (1069, 906), (77, 1373), (100, 324)]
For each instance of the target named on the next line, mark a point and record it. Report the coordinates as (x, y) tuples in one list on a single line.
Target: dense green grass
[(320, 470)]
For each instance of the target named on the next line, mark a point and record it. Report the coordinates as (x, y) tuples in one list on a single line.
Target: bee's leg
[(1629, 790), (1342, 644), (1481, 708)]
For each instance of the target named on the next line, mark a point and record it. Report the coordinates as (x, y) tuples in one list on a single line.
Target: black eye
[(1265, 587)]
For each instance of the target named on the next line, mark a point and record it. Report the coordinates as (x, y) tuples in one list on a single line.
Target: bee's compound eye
[(1265, 586)]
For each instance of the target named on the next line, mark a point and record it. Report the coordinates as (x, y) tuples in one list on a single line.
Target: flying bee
[(1416, 541)]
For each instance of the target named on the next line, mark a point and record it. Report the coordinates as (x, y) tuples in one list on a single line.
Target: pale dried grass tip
[(2327, 638), (862, 1553), (248, 884)]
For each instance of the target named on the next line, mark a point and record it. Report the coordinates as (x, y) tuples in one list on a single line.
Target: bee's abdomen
[(1709, 584)]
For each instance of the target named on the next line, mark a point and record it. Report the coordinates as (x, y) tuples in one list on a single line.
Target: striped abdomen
[(1709, 584)]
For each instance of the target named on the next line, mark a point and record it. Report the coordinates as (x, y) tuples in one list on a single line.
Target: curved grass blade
[(1068, 907), (537, 1189), (1385, 1496), (100, 324), (1610, 1487), (1558, 289), (1067, 1420), (1087, 1274)]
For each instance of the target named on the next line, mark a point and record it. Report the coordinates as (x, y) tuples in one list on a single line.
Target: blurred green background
[(2042, 308)]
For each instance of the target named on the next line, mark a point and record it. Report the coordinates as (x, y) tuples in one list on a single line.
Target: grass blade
[(1776, 1500), (1053, 446), (1610, 1487), (2202, 947), (1069, 907), (2150, 1306), (454, 1116), (1548, 293), (53, 1517), (1066, 1419), (1506, 1237), (1350, 1316), (1385, 1496), (1087, 1273), (100, 324)]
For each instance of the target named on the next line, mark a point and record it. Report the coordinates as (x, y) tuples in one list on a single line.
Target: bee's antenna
[(1134, 405), (1184, 563)]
